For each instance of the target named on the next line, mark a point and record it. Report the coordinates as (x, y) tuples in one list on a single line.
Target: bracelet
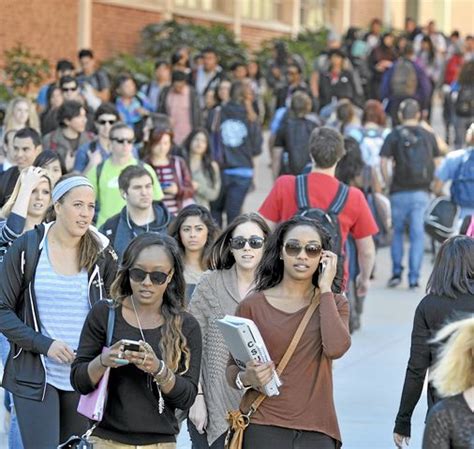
[(200, 394), (100, 360), (160, 369), (167, 378)]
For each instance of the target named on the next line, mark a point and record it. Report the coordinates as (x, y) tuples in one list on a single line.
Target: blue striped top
[(63, 305)]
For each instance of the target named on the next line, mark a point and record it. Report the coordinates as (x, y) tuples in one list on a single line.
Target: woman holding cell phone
[(155, 353), (296, 270)]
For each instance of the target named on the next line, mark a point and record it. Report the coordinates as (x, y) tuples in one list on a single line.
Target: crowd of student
[(135, 195)]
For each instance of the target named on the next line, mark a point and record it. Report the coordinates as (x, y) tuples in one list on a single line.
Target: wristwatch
[(239, 384)]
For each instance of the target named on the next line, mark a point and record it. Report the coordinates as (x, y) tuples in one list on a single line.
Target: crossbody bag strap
[(289, 352), (110, 325)]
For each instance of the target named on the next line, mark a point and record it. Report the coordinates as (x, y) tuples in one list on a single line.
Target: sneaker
[(414, 286), (394, 281)]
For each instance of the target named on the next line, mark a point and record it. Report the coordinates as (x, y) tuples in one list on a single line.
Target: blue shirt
[(63, 305), (129, 113)]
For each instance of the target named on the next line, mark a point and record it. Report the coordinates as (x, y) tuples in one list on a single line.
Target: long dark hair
[(173, 345), (46, 157), (221, 257), (453, 270), (206, 157), (195, 210), (270, 269)]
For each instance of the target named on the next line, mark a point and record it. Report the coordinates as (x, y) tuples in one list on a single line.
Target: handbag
[(92, 405), (239, 421)]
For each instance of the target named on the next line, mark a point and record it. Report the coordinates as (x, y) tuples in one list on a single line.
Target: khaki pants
[(99, 443)]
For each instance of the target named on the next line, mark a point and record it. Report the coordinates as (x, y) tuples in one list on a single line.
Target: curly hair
[(271, 267), (195, 210), (173, 345), (221, 257)]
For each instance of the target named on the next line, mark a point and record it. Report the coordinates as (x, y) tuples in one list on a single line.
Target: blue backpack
[(462, 188)]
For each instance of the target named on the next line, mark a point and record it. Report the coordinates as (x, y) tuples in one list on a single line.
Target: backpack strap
[(339, 200), (302, 196)]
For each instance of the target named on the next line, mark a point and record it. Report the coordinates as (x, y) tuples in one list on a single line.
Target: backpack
[(297, 133), (462, 187), (327, 219), (404, 80), (370, 145), (441, 219), (415, 166), (464, 105)]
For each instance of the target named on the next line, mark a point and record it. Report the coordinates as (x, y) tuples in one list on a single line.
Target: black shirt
[(431, 315), (406, 172), (450, 425), (131, 414)]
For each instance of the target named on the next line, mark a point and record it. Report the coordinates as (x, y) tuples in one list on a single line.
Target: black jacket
[(24, 373), (240, 140), (431, 315), (344, 87), (8, 180), (121, 231)]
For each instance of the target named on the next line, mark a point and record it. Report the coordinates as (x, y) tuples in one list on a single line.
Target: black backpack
[(441, 219), (328, 219), (415, 167), (297, 133), (464, 105)]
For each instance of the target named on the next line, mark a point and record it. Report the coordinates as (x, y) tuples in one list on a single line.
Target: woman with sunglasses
[(159, 373), (296, 269), (194, 230), (232, 262), (50, 278)]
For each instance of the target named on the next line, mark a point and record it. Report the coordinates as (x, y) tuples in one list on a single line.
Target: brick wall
[(363, 11), (48, 27), (117, 29), (254, 36)]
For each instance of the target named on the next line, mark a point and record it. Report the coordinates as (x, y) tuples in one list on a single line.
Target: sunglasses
[(69, 89), (239, 242), (122, 141), (156, 277), (293, 249), (106, 122)]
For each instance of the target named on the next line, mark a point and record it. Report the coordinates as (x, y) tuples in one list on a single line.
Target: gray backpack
[(404, 81)]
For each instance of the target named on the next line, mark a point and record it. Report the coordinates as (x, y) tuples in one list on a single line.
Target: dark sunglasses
[(105, 122), (239, 242), (312, 250), (68, 89), (122, 141), (156, 277)]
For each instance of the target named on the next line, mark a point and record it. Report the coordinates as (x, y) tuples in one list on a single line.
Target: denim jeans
[(233, 192), (14, 436), (408, 209)]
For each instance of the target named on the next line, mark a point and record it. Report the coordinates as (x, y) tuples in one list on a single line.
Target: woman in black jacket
[(50, 278), (157, 373), (450, 296)]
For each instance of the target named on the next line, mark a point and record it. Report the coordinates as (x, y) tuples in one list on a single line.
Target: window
[(312, 13), (203, 5), (262, 9)]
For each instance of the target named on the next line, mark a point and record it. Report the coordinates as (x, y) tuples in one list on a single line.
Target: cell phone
[(131, 345), (322, 267)]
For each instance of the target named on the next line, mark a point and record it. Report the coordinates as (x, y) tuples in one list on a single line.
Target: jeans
[(44, 424), (233, 192), (271, 437), (199, 441), (408, 208), (14, 436)]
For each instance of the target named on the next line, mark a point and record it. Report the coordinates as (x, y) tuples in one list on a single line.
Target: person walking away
[(415, 154), (449, 295)]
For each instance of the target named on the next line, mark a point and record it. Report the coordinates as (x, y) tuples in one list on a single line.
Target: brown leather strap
[(289, 352)]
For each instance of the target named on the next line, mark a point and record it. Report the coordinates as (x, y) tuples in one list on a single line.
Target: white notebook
[(245, 343)]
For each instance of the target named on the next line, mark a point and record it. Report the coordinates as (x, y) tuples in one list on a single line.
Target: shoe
[(414, 286), (394, 281)]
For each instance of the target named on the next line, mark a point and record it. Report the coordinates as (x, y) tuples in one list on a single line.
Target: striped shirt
[(167, 175), (63, 305)]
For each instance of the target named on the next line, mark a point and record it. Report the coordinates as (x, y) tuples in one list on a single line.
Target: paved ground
[(368, 379)]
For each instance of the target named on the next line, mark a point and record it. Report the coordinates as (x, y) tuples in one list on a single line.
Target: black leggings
[(45, 424), (272, 437)]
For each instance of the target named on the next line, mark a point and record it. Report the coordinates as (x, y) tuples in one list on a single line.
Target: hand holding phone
[(131, 345)]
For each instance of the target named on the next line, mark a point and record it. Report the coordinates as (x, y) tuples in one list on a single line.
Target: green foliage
[(24, 69), (308, 44), (160, 40)]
